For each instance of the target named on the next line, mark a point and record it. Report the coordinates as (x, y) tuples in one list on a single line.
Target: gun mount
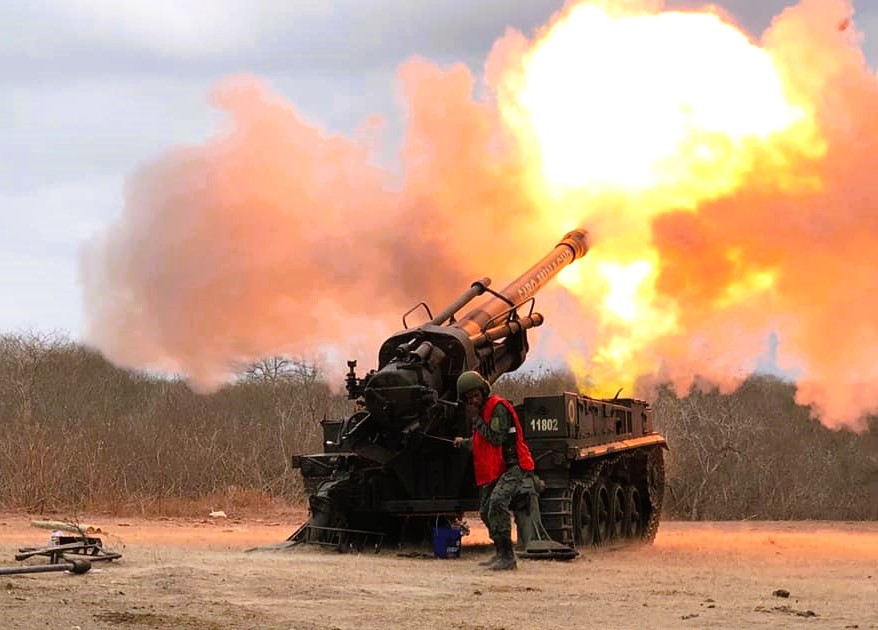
[(388, 471), (414, 388)]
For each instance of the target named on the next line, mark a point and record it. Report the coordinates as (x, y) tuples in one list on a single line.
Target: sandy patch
[(190, 574)]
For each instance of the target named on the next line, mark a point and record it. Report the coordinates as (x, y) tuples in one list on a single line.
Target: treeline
[(755, 454), (77, 434)]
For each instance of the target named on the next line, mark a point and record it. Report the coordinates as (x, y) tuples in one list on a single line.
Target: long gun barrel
[(574, 245)]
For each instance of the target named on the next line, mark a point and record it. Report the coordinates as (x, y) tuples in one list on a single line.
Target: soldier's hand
[(458, 442)]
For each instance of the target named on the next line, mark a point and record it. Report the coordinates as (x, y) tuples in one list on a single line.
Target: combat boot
[(507, 556), (493, 559)]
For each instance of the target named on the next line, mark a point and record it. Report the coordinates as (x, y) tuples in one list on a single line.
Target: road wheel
[(633, 519), (583, 518), (601, 512), (617, 511)]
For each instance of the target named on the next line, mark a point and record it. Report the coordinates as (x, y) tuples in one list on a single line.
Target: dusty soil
[(194, 574)]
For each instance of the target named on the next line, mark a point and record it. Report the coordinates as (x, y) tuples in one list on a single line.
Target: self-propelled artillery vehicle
[(389, 472)]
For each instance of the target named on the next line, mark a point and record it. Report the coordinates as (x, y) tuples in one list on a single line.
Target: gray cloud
[(40, 235), (753, 16), (67, 40), (92, 88), (194, 38), (59, 133)]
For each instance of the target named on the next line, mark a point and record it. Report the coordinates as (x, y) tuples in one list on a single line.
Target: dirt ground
[(182, 573)]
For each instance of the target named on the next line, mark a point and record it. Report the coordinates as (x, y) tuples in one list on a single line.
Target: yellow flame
[(629, 317), (644, 101), (656, 111), (624, 282), (749, 286)]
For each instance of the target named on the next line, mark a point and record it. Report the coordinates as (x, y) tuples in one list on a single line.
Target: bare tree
[(78, 434)]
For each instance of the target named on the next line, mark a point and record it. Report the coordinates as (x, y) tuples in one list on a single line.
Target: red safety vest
[(488, 459)]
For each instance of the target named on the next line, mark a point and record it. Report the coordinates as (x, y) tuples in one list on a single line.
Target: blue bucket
[(446, 542)]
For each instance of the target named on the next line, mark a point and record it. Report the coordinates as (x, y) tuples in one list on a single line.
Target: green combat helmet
[(469, 381)]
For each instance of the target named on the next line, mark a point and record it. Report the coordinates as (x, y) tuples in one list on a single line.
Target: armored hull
[(602, 464), (599, 463)]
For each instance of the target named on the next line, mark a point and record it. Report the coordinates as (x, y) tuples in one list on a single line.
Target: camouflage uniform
[(499, 431), (495, 497)]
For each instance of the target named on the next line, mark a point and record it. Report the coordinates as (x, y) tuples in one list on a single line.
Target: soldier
[(501, 459)]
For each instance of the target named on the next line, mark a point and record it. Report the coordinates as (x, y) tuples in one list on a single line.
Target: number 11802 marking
[(544, 424)]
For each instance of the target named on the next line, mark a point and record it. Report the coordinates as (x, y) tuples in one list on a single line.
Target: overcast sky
[(90, 89)]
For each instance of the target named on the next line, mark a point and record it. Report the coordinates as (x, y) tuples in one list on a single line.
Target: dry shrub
[(544, 381), (77, 434), (755, 454)]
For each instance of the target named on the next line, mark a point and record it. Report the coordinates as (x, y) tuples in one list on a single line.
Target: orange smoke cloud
[(813, 246), (236, 248), (725, 183), (277, 238)]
